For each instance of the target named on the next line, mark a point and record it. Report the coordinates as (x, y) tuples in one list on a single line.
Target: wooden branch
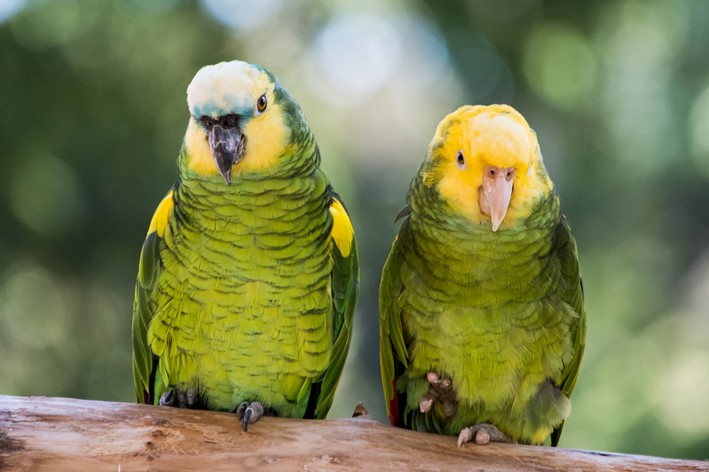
[(39, 433)]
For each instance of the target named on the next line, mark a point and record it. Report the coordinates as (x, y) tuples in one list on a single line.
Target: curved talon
[(465, 436), (249, 413), (246, 418), (241, 409), (167, 398), (425, 403)]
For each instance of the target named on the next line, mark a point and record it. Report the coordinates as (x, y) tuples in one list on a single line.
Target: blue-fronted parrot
[(248, 276)]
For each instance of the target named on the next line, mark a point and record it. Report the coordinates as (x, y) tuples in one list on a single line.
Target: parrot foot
[(482, 434), (180, 398), (250, 413), (167, 398), (439, 390)]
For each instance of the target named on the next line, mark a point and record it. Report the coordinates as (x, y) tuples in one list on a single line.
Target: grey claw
[(241, 409), (249, 413), (167, 398)]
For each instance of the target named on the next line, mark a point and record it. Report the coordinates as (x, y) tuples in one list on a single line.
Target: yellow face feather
[(266, 139), (495, 135), (234, 88)]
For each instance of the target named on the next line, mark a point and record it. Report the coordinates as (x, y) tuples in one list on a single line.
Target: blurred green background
[(92, 113)]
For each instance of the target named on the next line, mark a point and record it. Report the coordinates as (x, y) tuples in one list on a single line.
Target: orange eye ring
[(262, 103)]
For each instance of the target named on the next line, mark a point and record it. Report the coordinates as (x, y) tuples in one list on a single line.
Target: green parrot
[(482, 319), (248, 277)]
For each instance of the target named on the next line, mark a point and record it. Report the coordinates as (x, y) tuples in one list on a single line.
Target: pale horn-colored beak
[(495, 193)]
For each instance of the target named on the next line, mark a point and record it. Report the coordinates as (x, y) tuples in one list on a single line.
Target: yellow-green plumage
[(244, 294), (500, 313)]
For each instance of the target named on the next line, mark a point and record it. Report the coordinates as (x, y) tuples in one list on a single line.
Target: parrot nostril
[(225, 121)]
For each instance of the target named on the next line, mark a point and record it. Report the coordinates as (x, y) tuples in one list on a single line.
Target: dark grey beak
[(227, 145)]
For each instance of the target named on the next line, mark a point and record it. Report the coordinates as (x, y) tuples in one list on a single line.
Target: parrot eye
[(261, 103), (460, 160)]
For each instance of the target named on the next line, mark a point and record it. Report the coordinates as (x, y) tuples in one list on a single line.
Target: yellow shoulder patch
[(159, 221), (342, 231)]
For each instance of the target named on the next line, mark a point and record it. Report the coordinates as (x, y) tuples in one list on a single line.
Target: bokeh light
[(560, 65), (699, 132), (242, 14), (9, 8), (45, 193), (355, 54), (639, 42)]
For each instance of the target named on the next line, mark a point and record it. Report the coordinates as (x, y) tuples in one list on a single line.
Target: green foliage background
[(92, 113)]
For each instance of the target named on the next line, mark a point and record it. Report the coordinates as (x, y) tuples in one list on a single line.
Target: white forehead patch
[(225, 88)]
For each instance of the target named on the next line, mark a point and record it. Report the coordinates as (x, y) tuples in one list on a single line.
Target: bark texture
[(60, 434)]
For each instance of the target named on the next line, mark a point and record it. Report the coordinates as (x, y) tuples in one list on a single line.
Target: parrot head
[(486, 164), (237, 119)]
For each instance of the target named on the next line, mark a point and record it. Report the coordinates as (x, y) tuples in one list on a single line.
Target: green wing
[(143, 310), (573, 296), (393, 354), (144, 361), (345, 288)]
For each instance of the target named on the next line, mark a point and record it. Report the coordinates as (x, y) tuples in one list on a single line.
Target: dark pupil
[(461, 160), (262, 102)]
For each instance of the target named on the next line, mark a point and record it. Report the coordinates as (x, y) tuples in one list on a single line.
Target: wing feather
[(345, 289), (393, 353), (574, 298), (149, 269)]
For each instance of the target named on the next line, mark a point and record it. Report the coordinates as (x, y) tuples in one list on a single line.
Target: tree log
[(57, 434)]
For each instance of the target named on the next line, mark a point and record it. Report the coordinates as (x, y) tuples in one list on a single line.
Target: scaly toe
[(439, 390), (482, 437), (482, 434), (192, 398)]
